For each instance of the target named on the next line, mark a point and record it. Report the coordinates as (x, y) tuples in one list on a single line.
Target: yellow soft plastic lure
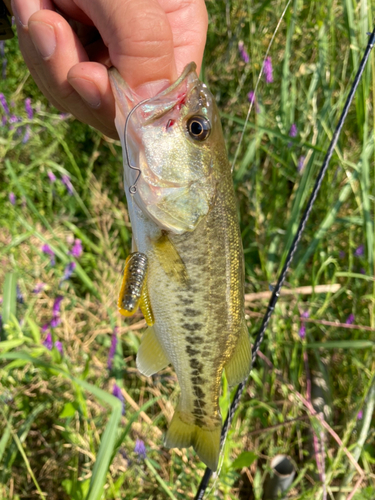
[(133, 292)]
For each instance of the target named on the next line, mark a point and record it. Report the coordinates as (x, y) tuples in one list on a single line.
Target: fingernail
[(87, 90), (150, 89), (23, 10), (43, 37)]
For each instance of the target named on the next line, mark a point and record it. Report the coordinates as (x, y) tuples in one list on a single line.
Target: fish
[(183, 213)]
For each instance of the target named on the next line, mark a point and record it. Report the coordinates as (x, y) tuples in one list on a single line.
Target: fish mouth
[(158, 106), (154, 107)]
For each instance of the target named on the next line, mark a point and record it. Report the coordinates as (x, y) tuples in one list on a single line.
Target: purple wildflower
[(45, 327), (301, 161), (68, 271), (244, 55), (267, 68), (66, 181), (19, 295), (59, 347), (13, 119), (350, 319), (359, 251), (57, 304), (342, 254), (112, 349), (28, 108), (140, 449), (252, 99), (360, 415), (302, 331), (305, 314), (51, 176), (293, 130), (39, 287), (47, 250), (118, 394), (362, 270), (76, 250), (3, 121), (55, 321), (48, 341), (12, 198), (27, 135), (4, 104)]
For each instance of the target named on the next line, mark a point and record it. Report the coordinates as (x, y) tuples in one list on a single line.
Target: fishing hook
[(133, 187)]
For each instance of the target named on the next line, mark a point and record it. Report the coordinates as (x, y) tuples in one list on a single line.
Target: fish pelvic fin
[(238, 367), (206, 442), (151, 357)]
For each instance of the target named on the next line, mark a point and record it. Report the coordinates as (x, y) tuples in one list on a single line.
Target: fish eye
[(199, 128)]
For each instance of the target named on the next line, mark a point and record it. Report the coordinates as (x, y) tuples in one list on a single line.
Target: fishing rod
[(276, 291)]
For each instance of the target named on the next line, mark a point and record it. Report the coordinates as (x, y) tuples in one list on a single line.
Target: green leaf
[(342, 344), (245, 459), (77, 490), (69, 410), (34, 329), (7, 345)]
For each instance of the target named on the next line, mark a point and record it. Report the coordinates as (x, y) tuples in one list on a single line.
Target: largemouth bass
[(182, 208)]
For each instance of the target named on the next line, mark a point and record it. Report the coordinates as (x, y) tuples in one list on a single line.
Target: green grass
[(62, 433)]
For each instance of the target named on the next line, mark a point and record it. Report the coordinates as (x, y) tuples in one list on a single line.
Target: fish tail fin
[(207, 445), (206, 442)]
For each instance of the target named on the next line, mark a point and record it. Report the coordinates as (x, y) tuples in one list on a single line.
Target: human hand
[(69, 44)]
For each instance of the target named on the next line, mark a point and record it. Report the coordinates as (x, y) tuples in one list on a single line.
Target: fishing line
[(276, 291), (257, 83), (252, 102)]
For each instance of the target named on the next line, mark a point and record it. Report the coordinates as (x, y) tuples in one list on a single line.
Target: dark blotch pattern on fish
[(192, 312), (192, 352), (192, 327)]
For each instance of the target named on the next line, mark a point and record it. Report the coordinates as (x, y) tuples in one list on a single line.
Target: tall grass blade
[(164, 486), (9, 300)]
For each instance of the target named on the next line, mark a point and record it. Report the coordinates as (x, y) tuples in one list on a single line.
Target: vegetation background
[(77, 419)]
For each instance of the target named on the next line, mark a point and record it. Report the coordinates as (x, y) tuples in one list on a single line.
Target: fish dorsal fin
[(151, 357), (238, 367), (170, 260)]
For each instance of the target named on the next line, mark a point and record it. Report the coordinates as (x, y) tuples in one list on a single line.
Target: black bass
[(183, 213)]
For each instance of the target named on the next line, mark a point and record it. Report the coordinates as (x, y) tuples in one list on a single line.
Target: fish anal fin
[(238, 367), (170, 260), (151, 357), (206, 442)]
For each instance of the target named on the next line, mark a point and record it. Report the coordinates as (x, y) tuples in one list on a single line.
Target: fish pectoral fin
[(151, 357), (170, 260), (238, 367), (206, 442)]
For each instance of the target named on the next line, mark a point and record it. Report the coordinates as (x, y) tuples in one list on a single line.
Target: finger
[(22, 11), (139, 40), (189, 23), (52, 49)]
